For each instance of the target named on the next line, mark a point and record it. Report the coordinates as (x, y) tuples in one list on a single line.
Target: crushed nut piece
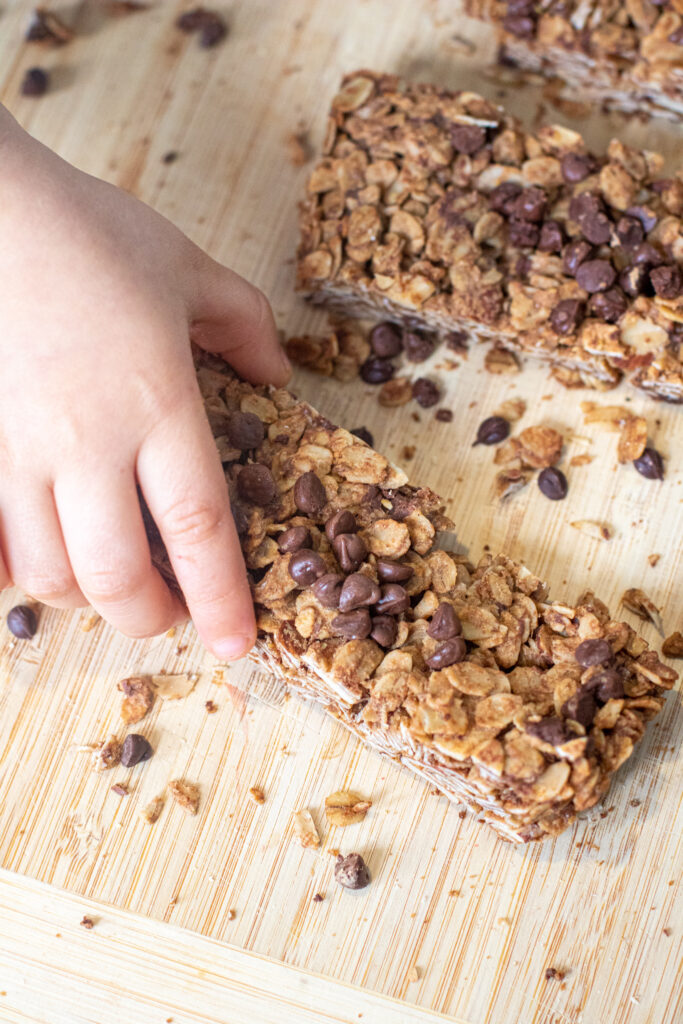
[(90, 621), (120, 789), (553, 974), (632, 440), (257, 795), (305, 829), (639, 603), (175, 687), (673, 645), (413, 974), (346, 808), (107, 754), (138, 698), (318, 898), (299, 148), (87, 923), (580, 460), (511, 410), (152, 811), (185, 794), (211, 707), (501, 360), (598, 531), (231, 915), (653, 559)]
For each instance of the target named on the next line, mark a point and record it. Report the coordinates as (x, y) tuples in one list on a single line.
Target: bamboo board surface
[(481, 920)]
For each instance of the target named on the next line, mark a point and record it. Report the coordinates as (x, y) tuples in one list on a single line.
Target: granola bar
[(469, 676), (438, 210), (627, 56)]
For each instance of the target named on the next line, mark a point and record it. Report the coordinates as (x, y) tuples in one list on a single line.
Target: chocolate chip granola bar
[(625, 55), (467, 675), (438, 210)]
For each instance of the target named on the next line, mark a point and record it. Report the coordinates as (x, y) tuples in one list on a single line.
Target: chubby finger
[(183, 484), (35, 555), (105, 537), (233, 318), (5, 580)]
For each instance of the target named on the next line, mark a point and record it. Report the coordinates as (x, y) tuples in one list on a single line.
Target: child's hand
[(98, 298)]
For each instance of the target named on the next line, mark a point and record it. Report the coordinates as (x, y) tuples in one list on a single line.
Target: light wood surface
[(480, 919)]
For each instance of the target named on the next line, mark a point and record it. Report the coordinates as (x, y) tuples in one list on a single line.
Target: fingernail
[(230, 648), (285, 363)]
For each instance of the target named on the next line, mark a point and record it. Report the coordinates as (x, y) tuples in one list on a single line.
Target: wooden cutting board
[(455, 922)]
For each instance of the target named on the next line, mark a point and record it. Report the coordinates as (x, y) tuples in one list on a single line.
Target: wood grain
[(482, 920)]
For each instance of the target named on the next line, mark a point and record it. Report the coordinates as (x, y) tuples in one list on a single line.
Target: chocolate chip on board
[(351, 872), (22, 622), (425, 392), (445, 623), (417, 347), (309, 494), (450, 652), (294, 539), (384, 630), (306, 566), (135, 749), (256, 485), (593, 652), (492, 430), (393, 572), (376, 371), (35, 82), (354, 625), (245, 430), (444, 415), (364, 435), (358, 591), (385, 340), (350, 551), (650, 464), (553, 483)]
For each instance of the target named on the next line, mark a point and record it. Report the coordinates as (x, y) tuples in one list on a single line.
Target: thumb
[(234, 319)]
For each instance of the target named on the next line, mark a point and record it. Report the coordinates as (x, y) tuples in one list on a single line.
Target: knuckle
[(49, 588), (191, 523), (115, 585)]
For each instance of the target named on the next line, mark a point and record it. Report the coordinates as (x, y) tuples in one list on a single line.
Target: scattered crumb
[(318, 898), (653, 559), (185, 794), (180, 649), (462, 814), (635, 803), (632, 439), (231, 915), (673, 645), (416, 417), (107, 754), (454, 892), (413, 974), (511, 410), (346, 808), (667, 932), (298, 148), (152, 811), (304, 826), (639, 603), (333, 851), (444, 415), (408, 451), (90, 621), (553, 974), (138, 698), (257, 795), (580, 460), (171, 633), (499, 360), (87, 923), (175, 687), (120, 789), (598, 531), (210, 707), (170, 158)]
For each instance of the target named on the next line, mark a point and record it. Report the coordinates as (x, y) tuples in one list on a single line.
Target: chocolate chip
[(493, 430), (342, 521), (588, 211), (457, 341), (593, 652), (523, 233), (393, 572), (384, 630), (353, 625), (22, 622), (574, 255), (358, 591), (364, 435), (608, 685), (350, 551), (306, 566), (596, 275), (134, 750), (520, 26), (645, 215), (467, 138), (448, 653), (376, 371), (553, 483), (255, 484), (530, 204), (425, 392), (170, 157), (212, 32), (581, 706), (567, 315), (609, 305), (417, 347), (576, 166), (444, 415), (666, 281), (503, 196), (394, 600), (245, 430), (549, 730), (309, 494), (191, 21), (351, 871), (633, 280), (328, 588), (240, 519), (385, 340), (445, 623), (629, 231), (650, 464), (646, 255), (35, 82), (552, 237), (294, 539)]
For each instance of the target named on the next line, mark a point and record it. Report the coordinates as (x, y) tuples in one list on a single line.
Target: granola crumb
[(257, 795), (107, 754), (138, 699), (231, 915), (152, 812), (318, 898), (304, 826), (298, 148), (170, 633), (210, 707), (413, 974), (346, 808), (653, 559), (185, 794), (598, 531), (89, 622), (635, 803), (120, 789), (673, 645), (553, 974), (408, 452), (580, 460), (667, 932), (637, 601), (87, 923)]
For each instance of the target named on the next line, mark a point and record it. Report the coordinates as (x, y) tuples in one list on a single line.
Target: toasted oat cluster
[(468, 675), (437, 210), (627, 55)]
